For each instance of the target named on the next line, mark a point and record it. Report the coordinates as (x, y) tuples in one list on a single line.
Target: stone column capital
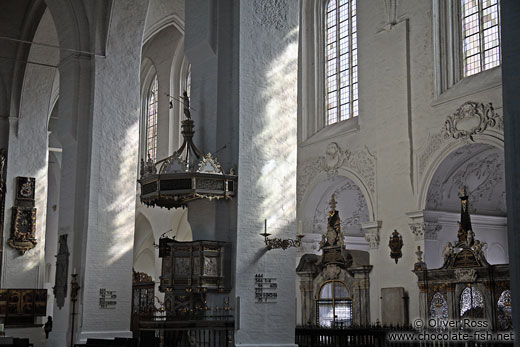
[(425, 230), (371, 230)]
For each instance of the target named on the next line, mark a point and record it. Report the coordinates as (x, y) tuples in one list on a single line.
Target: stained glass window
[(438, 307), (504, 311), (480, 34), (341, 67), (471, 303), (334, 306), (151, 120)]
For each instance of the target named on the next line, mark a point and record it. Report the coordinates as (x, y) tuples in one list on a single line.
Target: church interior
[(258, 172)]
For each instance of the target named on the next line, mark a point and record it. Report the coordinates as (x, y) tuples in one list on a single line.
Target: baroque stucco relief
[(360, 161), (352, 206), (483, 175), (470, 119)]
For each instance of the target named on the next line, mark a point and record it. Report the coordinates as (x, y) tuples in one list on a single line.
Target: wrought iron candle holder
[(281, 243), (74, 289)]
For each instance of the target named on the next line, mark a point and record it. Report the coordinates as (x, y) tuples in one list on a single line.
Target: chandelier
[(186, 175)]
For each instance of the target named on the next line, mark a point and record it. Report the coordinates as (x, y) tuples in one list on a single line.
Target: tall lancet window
[(151, 120), (480, 34), (341, 70)]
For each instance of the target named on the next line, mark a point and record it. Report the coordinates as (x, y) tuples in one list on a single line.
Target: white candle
[(300, 231), (74, 272)]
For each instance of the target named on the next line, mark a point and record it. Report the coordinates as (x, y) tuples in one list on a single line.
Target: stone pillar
[(510, 45), (268, 53), (106, 255), (211, 46), (372, 235), (362, 295), (307, 298), (99, 130), (74, 113)]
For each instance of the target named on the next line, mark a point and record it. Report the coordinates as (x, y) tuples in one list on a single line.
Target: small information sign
[(107, 298), (265, 289)]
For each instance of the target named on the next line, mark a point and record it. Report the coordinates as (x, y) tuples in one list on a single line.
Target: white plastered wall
[(399, 122)]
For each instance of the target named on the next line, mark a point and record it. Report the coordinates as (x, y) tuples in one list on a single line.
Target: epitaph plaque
[(265, 289), (107, 299)]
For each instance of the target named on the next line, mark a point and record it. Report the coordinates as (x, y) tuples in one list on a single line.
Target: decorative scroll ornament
[(334, 158), (371, 230), (395, 244), (23, 223), (186, 175), (280, 243), (425, 230), (174, 164), (466, 275), (209, 164), (23, 229), (331, 272), (372, 237), (471, 119), (140, 277), (360, 161)]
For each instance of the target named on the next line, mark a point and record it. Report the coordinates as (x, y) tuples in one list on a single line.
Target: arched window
[(480, 35), (471, 303), (151, 120), (334, 305), (341, 71), (438, 307), (504, 311)]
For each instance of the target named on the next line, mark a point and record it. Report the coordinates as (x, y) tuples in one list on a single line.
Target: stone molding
[(360, 161), (372, 233)]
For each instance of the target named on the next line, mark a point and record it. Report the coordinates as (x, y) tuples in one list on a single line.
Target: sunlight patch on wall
[(278, 139), (123, 208)]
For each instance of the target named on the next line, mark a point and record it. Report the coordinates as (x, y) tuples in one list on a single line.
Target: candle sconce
[(282, 243)]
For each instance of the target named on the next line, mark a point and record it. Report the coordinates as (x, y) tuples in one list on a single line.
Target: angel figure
[(340, 239), (478, 248), (323, 241), (447, 252), (470, 238)]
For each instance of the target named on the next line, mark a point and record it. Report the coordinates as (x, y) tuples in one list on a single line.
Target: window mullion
[(338, 64), (481, 35), (351, 59)]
